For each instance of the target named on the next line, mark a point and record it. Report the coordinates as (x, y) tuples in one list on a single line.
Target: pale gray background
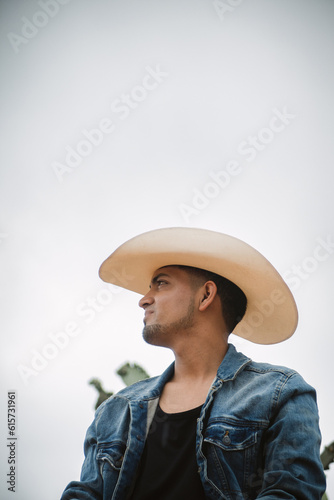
[(226, 74)]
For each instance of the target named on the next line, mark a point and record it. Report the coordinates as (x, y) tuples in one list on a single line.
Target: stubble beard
[(159, 334)]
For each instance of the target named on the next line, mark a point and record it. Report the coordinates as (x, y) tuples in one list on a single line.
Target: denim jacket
[(257, 436)]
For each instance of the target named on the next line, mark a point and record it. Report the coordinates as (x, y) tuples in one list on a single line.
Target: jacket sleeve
[(105, 447), (292, 465), (90, 486)]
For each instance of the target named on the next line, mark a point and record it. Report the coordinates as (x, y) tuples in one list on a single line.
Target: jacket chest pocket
[(231, 449), (109, 457)]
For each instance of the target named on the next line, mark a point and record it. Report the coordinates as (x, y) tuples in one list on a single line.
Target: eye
[(161, 282)]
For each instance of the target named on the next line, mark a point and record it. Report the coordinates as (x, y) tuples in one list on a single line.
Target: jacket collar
[(233, 363)]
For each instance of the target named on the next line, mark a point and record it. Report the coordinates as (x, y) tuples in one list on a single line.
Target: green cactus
[(128, 373)]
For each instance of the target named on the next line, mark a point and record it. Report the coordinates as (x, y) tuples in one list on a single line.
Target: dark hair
[(233, 300)]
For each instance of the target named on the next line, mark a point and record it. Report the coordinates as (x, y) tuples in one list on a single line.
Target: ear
[(208, 293)]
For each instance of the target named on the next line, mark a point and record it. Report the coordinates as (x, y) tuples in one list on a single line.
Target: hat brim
[(271, 314)]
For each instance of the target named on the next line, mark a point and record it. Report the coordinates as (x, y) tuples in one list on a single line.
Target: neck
[(196, 367), (200, 360)]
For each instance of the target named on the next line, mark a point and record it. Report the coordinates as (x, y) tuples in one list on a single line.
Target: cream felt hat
[(271, 315)]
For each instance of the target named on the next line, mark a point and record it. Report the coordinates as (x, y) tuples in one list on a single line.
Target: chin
[(154, 335)]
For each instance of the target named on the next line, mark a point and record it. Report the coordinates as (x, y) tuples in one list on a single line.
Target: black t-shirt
[(168, 468)]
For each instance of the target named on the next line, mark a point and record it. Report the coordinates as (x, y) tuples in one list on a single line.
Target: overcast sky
[(119, 117)]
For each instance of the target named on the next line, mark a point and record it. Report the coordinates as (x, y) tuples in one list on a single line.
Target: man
[(214, 425)]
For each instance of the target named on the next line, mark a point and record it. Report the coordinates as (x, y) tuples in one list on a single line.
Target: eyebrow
[(157, 277)]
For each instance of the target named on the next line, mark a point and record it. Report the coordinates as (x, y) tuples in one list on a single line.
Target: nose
[(146, 300)]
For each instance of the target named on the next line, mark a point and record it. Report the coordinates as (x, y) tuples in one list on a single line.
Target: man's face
[(168, 305)]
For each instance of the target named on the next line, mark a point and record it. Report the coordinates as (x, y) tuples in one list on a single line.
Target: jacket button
[(226, 440)]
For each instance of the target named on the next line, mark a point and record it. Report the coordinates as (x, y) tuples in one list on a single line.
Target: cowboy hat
[(271, 315)]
